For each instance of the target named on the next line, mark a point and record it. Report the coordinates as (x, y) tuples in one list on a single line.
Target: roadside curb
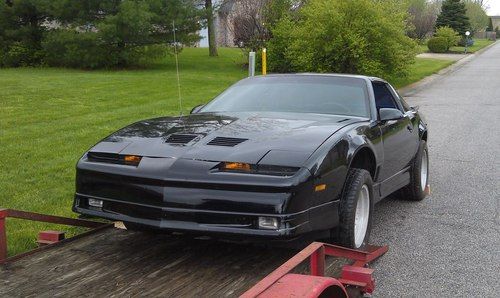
[(417, 86)]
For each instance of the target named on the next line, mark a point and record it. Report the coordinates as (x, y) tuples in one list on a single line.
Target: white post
[(251, 64)]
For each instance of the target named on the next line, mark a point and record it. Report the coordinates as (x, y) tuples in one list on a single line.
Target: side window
[(405, 105), (383, 96), (401, 102)]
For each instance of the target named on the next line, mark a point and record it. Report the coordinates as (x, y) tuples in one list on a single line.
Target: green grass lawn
[(478, 44), (422, 68), (49, 117)]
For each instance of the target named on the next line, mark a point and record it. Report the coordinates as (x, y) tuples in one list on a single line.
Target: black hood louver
[(180, 139), (226, 142)]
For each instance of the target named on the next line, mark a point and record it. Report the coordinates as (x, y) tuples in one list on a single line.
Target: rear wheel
[(356, 208), (419, 175)]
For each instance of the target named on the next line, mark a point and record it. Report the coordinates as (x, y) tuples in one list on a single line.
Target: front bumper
[(189, 197), (207, 222)]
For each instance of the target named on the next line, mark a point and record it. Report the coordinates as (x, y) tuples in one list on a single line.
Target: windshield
[(296, 94)]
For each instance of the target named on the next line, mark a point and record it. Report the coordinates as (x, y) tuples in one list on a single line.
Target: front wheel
[(419, 175), (356, 208)]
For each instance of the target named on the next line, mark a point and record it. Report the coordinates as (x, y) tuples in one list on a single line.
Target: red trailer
[(107, 261), (355, 280)]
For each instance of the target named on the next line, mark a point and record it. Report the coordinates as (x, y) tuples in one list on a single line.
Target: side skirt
[(393, 183)]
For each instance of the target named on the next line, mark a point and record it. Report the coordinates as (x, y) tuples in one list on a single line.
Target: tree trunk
[(212, 43)]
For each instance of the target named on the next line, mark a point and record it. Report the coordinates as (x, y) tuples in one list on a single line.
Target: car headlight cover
[(257, 169)]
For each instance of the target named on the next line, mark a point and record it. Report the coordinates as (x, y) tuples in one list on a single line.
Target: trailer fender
[(299, 285)]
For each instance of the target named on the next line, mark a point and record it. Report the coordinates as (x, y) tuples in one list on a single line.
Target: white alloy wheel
[(424, 170), (362, 216)]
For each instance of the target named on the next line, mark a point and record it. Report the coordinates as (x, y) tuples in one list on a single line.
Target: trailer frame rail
[(355, 275), (94, 227)]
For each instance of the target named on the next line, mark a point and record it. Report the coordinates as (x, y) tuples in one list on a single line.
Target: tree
[(94, 33), (363, 36), (477, 16), (253, 19), (482, 3), (453, 14), (490, 25), (22, 30), (423, 15), (212, 43), (248, 24)]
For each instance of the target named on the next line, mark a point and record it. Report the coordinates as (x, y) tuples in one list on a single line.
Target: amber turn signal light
[(236, 166), (320, 187), (132, 159)]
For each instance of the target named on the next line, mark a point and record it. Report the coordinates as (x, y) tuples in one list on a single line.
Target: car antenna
[(177, 70)]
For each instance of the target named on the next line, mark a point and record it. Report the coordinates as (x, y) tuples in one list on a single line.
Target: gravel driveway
[(449, 244)]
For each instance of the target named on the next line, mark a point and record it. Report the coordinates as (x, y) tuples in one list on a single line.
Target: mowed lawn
[(478, 45), (422, 68), (49, 117)]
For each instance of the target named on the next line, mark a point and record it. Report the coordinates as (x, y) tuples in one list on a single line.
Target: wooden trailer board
[(117, 262)]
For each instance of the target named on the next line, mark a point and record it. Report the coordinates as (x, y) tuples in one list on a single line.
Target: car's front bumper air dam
[(195, 221)]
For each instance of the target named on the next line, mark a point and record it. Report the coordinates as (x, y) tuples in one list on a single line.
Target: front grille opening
[(114, 158), (227, 142), (134, 211), (180, 139), (240, 221)]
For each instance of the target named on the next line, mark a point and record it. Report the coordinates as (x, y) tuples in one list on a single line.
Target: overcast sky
[(494, 7)]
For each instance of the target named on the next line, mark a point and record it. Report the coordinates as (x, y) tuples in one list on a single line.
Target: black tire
[(415, 191), (356, 178)]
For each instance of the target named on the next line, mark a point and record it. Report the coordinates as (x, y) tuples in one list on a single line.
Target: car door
[(398, 138), (410, 113)]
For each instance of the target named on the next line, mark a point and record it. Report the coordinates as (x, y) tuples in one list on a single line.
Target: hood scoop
[(226, 142), (180, 139)]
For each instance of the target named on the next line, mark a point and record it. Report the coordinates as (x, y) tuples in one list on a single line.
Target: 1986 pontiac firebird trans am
[(271, 158)]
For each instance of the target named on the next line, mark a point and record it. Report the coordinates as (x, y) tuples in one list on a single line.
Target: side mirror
[(196, 109), (387, 114)]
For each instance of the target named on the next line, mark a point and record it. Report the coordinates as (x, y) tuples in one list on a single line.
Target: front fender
[(330, 163), (340, 149)]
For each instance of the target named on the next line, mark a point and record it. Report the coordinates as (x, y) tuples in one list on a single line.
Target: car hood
[(265, 138)]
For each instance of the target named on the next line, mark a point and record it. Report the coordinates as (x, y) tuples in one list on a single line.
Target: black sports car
[(273, 157)]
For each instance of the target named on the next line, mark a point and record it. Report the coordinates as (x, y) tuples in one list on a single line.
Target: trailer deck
[(116, 262)]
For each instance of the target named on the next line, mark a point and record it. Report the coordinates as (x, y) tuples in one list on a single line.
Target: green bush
[(452, 37), (19, 54), (69, 48), (344, 36), (277, 48), (438, 45)]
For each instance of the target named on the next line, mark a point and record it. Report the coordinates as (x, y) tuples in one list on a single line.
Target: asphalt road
[(449, 244)]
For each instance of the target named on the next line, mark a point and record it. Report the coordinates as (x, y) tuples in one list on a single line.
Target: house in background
[(495, 21), (227, 11)]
